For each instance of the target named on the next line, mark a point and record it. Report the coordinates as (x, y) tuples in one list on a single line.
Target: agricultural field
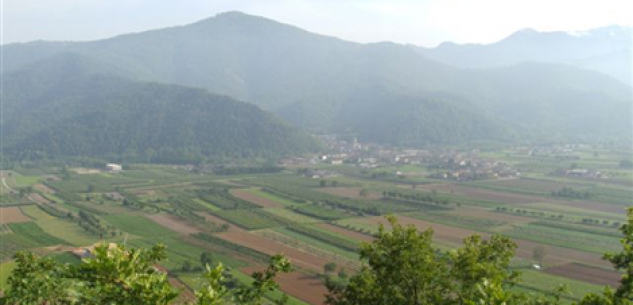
[(12, 215), (243, 219)]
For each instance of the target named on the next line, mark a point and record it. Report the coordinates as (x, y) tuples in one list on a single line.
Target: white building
[(113, 167)]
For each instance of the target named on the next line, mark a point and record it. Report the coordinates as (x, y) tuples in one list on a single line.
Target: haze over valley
[(242, 160)]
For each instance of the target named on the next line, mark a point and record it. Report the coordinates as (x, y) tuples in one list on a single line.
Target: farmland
[(242, 219)]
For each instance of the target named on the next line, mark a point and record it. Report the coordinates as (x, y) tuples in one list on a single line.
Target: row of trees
[(416, 197), (400, 267), (333, 183), (571, 193)]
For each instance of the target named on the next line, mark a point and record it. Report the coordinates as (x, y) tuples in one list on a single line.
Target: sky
[(420, 22)]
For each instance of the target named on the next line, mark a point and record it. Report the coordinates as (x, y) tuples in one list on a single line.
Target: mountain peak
[(233, 17), (523, 34)]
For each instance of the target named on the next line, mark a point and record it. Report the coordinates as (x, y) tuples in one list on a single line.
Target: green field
[(63, 229), (5, 270), (151, 189)]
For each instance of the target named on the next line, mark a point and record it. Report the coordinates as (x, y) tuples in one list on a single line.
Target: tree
[(215, 292), (538, 254), (329, 268), (117, 275), (342, 274), (364, 193), (206, 258), (65, 173), (322, 183), (404, 268), (626, 163), (334, 183), (186, 266)]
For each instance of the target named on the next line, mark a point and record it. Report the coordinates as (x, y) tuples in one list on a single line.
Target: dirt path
[(4, 183)]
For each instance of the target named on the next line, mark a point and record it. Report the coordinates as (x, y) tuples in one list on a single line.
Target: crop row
[(324, 237), (317, 211), (216, 241), (224, 200), (254, 219)]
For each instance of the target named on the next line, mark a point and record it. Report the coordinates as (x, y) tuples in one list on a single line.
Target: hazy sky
[(422, 22)]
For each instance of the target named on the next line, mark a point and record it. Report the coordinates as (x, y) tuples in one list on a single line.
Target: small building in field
[(111, 167), (336, 161)]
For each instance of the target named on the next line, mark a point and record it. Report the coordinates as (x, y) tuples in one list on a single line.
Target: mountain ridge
[(314, 80), (571, 48)]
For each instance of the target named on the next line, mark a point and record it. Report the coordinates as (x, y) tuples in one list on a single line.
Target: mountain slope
[(329, 85), (59, 107), (607, 50)]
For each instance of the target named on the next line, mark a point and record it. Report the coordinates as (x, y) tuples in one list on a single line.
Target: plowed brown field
[(12, 215), (299, 258), (305, 287), (253, 198), (586, 274), (174, 223)]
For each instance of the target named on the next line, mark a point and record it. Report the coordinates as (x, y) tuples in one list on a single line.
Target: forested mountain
[(607, 50), (382, 92), (62, 107)]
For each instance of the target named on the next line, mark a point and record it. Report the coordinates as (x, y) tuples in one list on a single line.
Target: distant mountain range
[(381, 92), (608, 50)]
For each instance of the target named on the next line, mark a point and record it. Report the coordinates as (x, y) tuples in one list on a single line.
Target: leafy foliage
[(116, 275), (403, 268)]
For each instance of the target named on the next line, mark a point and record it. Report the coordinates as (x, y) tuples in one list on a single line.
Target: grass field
[(65, 230), (31, 234), (139, 226), (5, 270)]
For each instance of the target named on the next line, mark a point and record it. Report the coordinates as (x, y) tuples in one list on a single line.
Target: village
[(448, 164)]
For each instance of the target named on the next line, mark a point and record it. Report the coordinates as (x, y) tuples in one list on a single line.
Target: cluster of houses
[(449, 164), (584, 173), (465, 167)]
